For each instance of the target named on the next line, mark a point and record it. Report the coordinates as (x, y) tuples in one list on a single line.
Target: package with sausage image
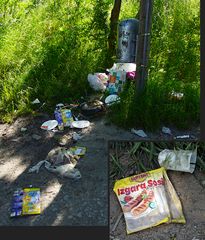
[(145, 200)]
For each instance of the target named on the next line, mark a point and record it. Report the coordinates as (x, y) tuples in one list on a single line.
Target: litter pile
[(113, 82), (62, 161), (148, 199)]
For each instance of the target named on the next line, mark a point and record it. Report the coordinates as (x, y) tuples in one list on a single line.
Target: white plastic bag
[(96, 83), (178, 160)]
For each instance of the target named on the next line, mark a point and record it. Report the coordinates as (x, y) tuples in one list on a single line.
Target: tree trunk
[(143, 44), (112, 38)]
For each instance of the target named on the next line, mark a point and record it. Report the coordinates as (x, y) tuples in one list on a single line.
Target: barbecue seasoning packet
[(148, 199)]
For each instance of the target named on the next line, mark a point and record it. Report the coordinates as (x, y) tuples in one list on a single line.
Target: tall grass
[(174, 65), (47, 48), (129, 158)]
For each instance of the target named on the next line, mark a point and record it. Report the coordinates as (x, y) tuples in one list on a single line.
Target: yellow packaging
[(146, 198), (31, 201)]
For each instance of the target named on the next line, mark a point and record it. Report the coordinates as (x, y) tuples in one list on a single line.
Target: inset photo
[(157, 190)]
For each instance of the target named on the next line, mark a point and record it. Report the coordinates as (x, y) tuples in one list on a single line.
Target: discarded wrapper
[(182, 137), (26, 202), (113, 98), (79, 151), (61, 161), (23, 129), (166, 130), (36, 101), (176, 95), (178, 160), (148, 199), (140, 133), (67, 117)]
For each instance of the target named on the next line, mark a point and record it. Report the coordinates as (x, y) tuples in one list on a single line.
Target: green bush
[(47, 50), (174, 66)]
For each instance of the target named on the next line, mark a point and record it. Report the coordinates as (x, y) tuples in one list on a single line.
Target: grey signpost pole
[(143, 43)]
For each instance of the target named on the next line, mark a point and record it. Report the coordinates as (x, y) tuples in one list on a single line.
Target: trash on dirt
[(166, 130), (111, 99), (60, 161), (58, 116), (63, 116), (79, 151), (23, 129), (182, 137), (178, 160), (49, 125), (55, 130), (67, 117), (148, 199), (140, 133), (96, 83), (36, 137), (176, 95), (92, 107), (36, 101), (81, 124), (26, 202), (118, 75), (65, 139), (76, 136)]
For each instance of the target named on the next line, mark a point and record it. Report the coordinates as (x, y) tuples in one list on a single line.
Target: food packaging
[(147, 200), (26, 202)]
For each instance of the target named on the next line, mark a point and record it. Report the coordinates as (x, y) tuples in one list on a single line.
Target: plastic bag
[(96, 83), (178, 160), (61, 161), (147, 200)]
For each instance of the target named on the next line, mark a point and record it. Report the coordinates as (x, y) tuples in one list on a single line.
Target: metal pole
[(143, 44)]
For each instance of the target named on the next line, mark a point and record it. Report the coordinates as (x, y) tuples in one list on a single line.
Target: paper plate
[(112, 99), (49, 125), (80, 124)]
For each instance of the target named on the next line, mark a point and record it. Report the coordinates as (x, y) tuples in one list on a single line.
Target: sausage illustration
[(143, 205), (133, 203)]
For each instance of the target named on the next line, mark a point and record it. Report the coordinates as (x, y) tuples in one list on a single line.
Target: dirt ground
[(64, 201), (192, 195)]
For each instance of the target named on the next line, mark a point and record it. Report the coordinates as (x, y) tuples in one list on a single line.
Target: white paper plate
[(49, 125), (80, 124), (112, 99)]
